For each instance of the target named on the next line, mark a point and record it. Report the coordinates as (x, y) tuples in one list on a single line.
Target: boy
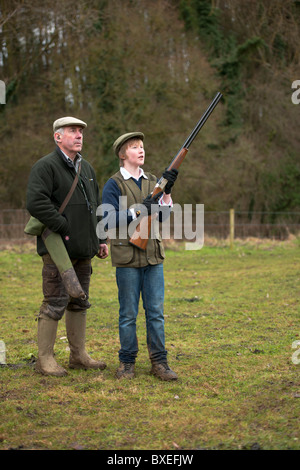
[(138, 271)]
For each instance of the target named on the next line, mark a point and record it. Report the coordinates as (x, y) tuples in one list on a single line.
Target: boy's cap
[(123, 138), (68, 121)]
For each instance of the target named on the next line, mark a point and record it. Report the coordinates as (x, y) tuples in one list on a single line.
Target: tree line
[(154, 66)]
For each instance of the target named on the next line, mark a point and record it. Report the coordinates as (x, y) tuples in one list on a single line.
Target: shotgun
[(136, 239)]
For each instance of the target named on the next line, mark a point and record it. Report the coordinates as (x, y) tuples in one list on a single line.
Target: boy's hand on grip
[(151, 202)]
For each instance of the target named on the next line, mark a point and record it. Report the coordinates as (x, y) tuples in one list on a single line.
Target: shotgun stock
[(138, 238)]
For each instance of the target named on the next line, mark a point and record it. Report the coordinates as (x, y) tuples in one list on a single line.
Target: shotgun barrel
[(138, 239), (202, 121), (196, 130)]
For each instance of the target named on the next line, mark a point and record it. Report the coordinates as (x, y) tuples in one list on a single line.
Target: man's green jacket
[(49, 182)]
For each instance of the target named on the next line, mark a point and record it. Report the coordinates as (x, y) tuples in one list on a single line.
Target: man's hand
[(103, 251)]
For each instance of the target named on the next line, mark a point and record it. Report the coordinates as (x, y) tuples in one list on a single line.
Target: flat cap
[(123, 138), (68, 121)]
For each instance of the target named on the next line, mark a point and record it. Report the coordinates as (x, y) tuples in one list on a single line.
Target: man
[(137, 271), (50, 180)]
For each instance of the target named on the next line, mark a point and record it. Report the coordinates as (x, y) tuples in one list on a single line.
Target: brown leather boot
[(125, 370), (46, 364), (76, 327), (163, 371)]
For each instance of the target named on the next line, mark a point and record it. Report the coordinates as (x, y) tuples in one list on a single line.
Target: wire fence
[(242, 224), (12, 224), (223, 224)]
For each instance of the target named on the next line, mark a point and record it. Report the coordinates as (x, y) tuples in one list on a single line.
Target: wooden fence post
[(231, 228)]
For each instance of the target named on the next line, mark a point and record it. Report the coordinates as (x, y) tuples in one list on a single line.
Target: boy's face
[(135, 153)]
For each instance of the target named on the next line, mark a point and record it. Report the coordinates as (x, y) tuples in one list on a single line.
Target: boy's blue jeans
[(148, 281)]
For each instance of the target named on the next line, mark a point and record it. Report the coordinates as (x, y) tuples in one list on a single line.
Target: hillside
[(154, 67)]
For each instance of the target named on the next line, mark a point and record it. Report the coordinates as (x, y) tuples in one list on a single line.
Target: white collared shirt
[(126, 175)]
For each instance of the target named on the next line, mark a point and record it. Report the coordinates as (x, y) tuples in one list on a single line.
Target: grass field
[(232, 334)]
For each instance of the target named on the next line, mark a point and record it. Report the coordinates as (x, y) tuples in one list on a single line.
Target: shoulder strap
[(47, 231), (68, 196)]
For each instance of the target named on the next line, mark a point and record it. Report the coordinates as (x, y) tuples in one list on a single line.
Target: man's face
[(71, 140)]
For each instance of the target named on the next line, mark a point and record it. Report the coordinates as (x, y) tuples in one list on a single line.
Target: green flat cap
[(68, 121), (123, 138)]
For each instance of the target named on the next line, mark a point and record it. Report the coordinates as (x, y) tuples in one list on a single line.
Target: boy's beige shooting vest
[(123, 254)]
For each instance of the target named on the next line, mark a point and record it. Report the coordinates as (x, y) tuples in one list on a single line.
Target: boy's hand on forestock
[(170, 176)]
